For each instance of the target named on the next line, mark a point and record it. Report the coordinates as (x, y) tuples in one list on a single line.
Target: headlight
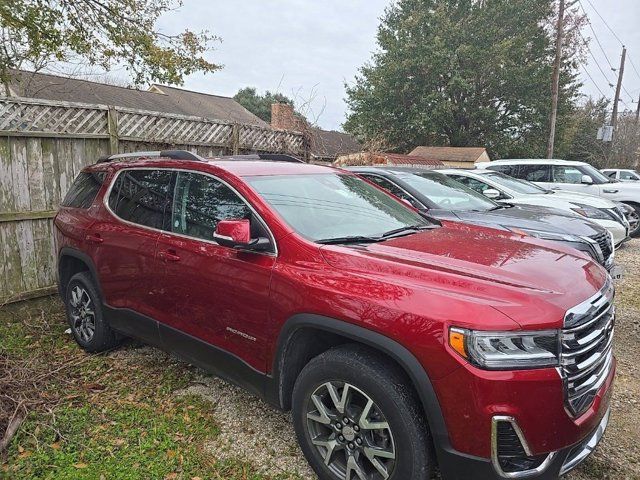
[(590, 212), (507, 350), (558, 237)]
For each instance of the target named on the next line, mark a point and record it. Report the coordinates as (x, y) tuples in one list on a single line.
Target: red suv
[(399, 342)]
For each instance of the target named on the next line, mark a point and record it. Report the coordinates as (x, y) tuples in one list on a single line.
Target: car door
[(569, 177), (215, 299), (137, 208)]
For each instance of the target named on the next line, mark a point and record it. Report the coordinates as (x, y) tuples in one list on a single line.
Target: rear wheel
[(356, 418), (85, 316)]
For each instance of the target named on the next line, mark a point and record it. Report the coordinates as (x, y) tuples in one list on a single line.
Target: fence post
[(112, 122), (235, 139)]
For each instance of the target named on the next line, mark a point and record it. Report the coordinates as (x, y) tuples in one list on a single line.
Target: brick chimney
[(284, 117)]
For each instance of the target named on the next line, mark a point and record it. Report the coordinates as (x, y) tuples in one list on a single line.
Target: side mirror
[(237, 234), (492, 193), (586, 180)]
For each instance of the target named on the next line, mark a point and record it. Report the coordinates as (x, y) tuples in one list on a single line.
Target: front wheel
[(634, 220), (356, 418)]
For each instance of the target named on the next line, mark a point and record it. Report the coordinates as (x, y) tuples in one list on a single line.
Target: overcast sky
[(308, 49)]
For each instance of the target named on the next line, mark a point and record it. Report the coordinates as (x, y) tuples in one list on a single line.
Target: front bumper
[(457, 466)]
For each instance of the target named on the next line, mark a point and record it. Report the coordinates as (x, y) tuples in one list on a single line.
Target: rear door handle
[(169, 255), (94, 238)]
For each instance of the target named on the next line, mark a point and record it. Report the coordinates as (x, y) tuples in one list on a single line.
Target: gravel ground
[(253, 431)]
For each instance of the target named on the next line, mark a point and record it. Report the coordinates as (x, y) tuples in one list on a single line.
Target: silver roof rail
[(173, 154)]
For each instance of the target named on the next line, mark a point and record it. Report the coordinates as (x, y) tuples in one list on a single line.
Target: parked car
[(399, 342), (623, 175), (572, 176), (444, 198), (503, 188)]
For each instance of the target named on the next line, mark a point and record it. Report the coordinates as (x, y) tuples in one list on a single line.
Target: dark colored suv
[(399, 342), (444, 198)]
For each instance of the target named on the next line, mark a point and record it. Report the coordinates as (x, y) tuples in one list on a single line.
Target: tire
[(394, 422), (85, 315), (636, 232)]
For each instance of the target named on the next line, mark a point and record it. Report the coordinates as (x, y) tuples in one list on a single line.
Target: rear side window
[(200, 202), (84, 190), (143, 197), (567, 174), (534, 173)]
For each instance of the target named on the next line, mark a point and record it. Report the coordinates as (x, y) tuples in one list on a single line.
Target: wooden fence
[(44, 145)]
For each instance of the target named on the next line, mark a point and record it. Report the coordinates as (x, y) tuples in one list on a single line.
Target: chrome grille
[(587, 349), (605, 242)]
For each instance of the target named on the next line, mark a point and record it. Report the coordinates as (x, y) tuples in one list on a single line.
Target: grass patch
[(99, 416)]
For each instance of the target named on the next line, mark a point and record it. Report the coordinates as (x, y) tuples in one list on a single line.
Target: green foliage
[(578, 141), (260, 105), (461, 73), (103, 33)]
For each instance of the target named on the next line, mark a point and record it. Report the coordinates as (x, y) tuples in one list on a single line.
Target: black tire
[(636, 232), (394, 403), (101, 336)]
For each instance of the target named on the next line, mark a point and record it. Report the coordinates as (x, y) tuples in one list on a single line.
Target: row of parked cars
[(410, 319)]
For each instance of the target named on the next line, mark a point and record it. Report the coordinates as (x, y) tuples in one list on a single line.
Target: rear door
[(137, 209), (215, 294)]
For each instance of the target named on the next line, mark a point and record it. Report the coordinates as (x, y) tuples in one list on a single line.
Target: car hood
[(583, 198), (544, 219), (516, 275)]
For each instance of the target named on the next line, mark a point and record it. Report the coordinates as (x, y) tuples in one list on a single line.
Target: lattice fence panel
[(268, 140), (172, 128), (18, 115)]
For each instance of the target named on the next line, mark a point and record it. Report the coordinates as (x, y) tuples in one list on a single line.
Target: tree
[(462, 73), (102, 33), (579, 133), (260, 105)]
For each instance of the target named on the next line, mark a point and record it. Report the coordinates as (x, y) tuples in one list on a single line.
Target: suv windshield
[(596, 174), (517, 185), (446, 193), (334, 206)]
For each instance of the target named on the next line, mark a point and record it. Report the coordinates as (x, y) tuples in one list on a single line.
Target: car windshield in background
[(446, 193), (328, 207), (596, 174), (519, 186)]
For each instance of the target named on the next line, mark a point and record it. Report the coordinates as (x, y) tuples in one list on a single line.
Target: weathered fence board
[(44, 145)]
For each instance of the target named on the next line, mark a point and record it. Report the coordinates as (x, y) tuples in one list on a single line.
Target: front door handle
[(169, 255), (94, 238)]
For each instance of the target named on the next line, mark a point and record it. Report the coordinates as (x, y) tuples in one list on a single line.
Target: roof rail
[(280, 157), (173, 154)]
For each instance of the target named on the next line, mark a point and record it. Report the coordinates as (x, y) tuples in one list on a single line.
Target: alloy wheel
[(350, 433), (83, 317)]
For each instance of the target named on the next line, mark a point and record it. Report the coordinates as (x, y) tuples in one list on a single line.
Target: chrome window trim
[(105, 202), (494, 450)]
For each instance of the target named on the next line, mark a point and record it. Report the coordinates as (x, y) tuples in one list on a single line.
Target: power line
[(593, 81), (605, 22), (634, 67), (586, 44), (596, 37)]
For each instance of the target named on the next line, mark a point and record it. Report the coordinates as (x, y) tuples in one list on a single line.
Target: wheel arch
[(305, 336), (72, 261)]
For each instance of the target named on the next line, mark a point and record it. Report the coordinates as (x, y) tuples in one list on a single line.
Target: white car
[(573, 176), (622, 174), (502, 188)]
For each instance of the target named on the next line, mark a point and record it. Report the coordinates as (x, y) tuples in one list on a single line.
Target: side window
[(143, 197), (392, 188), (535, 173), (472, 183), (626, 176), (566, 174), (613, 175), (84, 190), (200, 202)]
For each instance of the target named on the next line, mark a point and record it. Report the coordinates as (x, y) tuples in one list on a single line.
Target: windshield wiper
[(350, 239), (405, 230)]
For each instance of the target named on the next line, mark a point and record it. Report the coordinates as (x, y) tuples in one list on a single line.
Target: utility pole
[(555, 87), (638, 112), (614, 116)]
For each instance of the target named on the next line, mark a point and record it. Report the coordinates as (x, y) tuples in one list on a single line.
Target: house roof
[(383, 158), (160, 98), (330, 144), (450, 154)]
